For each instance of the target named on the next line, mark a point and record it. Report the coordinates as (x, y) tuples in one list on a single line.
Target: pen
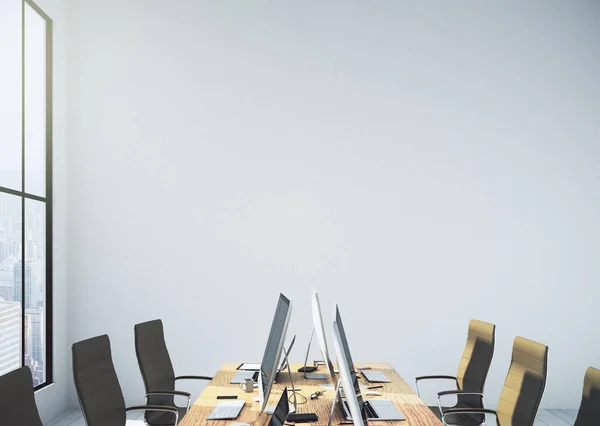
[(375, 387)]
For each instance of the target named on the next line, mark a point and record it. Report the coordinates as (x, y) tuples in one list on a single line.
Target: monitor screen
[(348, 357), (281, 411), (353, 400), (320, 332), (273, 349)]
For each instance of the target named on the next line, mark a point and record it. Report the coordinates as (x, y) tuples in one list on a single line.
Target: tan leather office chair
[(472, 371), (589, 410), (522, 391)]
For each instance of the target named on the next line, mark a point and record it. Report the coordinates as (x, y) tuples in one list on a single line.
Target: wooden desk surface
[(413, 408)]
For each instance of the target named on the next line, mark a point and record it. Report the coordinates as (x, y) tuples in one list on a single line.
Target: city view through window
[(12, 298), (25, 190)]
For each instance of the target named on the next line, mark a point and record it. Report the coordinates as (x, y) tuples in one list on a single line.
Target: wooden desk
[(413, 408)]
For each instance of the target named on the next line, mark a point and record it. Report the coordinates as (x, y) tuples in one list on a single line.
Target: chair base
[(459, 419), (163, 419)]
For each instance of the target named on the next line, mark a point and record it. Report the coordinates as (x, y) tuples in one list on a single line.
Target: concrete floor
[(544, 418)]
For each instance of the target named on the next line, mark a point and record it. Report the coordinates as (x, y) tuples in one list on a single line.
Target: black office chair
[(98, 389), (472, 371), (157, 371), (589, 410), (17, 402)]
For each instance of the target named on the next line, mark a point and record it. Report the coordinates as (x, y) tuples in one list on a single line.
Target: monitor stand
[(308, 370), (337, 397), (286, 360), (338, 389)]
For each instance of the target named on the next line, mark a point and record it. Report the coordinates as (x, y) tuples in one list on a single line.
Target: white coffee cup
[(247, 385)]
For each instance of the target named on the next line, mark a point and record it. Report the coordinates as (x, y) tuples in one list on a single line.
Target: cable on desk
[(299, 394)]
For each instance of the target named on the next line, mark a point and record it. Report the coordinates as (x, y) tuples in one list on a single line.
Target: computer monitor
[(320, 332), (348, 377), (273, 350), (346, 349), (281, 411), (372, 409)]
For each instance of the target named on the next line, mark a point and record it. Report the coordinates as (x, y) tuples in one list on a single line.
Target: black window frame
[(47, 199)]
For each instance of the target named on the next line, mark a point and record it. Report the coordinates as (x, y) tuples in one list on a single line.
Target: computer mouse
[(373, 393)]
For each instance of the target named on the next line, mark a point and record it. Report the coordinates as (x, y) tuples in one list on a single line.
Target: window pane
[(10, 283), (35, 102), (10, 94), (35, 289)]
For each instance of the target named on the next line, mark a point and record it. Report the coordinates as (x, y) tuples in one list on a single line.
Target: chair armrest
[(152, 408), (456, 392), (169, 392), (164, 408), (172, 392), (459, 392), (470, 410), (467, 411), (193, 378), (437, 377)]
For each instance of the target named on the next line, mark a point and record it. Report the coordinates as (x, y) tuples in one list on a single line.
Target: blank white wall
[(421, 163)]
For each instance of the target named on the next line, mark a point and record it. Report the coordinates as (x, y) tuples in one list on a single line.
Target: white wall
[(439, 160), (52, 400)]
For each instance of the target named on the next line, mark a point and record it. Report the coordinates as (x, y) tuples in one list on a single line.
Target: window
[(25, 189)]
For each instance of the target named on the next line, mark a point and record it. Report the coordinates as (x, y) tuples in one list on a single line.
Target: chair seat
[(160, 418), (459, 419)]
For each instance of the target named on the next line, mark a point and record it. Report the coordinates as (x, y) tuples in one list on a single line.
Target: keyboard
[(377, 410), (228, 410), (371, 413), (375, 376), (368, 410)]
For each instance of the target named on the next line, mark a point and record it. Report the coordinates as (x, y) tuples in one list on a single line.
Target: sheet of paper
[(249, 367)]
